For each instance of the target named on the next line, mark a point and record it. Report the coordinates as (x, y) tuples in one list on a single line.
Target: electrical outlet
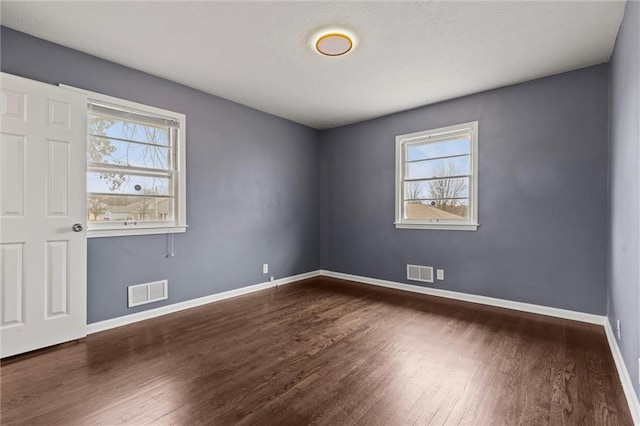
[(619, 329), (271, 278), (265, 268), (440, 274)]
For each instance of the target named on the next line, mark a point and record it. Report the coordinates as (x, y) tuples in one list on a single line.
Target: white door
[(42, 183)]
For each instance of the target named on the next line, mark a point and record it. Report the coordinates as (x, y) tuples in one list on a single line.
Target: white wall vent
[(420, 273), (140, 294)]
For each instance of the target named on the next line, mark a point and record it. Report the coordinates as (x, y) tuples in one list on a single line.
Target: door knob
[(77, 227)]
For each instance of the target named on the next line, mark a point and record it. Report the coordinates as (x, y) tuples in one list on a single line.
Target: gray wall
[(252, 186), (542, 202), (624, 255), (253, 197)]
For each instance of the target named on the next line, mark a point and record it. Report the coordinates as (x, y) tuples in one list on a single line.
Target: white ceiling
[(258, 53)]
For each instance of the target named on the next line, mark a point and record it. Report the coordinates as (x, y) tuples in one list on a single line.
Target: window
[(437, 179), (135, 168)]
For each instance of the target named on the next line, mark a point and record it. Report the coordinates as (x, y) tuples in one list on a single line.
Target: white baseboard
[(483, 300), (625, 378), (164, 310), (518, 306)]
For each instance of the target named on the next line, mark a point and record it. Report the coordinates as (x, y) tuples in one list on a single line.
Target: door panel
[(58, 179), (11, 267), (57, 288), (12, 174), (43, 183)]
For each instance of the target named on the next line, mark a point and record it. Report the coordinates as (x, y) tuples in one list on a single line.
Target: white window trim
[(443, 225), (179, 224)]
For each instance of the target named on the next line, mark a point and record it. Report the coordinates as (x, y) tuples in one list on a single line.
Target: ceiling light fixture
[(334, 43)]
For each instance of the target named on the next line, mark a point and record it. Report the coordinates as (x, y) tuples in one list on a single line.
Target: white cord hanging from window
[(169, 244)]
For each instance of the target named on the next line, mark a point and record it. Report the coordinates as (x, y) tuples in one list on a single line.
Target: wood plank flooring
[(324, 351)]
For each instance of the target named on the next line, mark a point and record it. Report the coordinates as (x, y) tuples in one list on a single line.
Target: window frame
[(434, 136), (179, 222)]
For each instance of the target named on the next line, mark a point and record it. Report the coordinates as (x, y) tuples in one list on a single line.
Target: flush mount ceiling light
[(334, 43)]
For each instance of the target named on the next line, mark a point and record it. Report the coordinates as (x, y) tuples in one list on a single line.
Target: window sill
[(138, 230), (439, 226)]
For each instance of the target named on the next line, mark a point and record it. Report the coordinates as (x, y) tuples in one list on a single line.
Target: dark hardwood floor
[(324, 351)]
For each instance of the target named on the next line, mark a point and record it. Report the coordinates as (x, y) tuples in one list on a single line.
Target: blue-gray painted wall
[(256, 185), (542, 195), (624, 255), (252, 186)]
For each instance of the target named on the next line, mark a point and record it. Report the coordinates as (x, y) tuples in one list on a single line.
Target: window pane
[(423, 151), (427, 169), (118, 208), (437, 189), (122, 129), (110, 151), (118, 183), (437, 209)]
